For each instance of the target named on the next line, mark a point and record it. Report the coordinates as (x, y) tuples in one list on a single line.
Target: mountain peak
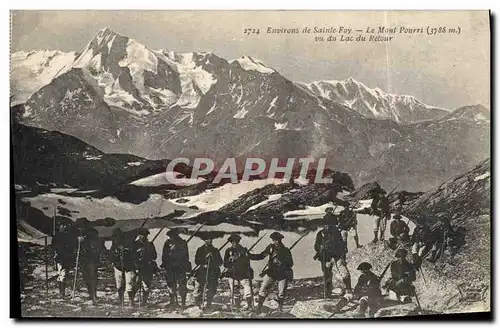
[(252, 64)]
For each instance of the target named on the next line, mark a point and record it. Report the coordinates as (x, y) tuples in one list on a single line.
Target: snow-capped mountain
[(476, 113), (120, 96), (375, 103), (32, 70)]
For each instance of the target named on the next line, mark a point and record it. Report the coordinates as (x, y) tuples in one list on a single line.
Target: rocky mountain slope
[(122, 97), (375, 103)]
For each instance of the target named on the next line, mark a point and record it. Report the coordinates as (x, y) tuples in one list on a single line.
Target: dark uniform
[(123, 257), (91, 247), (347, 221), (175, 262), (279, 269), (403, 275), (207, 277), (442, 236), (400, 233), (238, 270), (380, 208), (367, 291), (330, 250), (419, 239), (145, 264), (64, 245)]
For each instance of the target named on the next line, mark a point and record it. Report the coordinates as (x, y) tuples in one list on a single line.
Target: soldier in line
[(123, 258), (238, 271), (347, 221), (400, 233), (64, 247), (442, 236), (330, 250), (207, 277), (367, 291), (419, 239), (91, 247), (403, 274), (175, 262), (145, 262), (279, 269), (380, 208)]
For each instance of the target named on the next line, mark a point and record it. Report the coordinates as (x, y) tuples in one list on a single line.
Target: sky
[(444, 70)]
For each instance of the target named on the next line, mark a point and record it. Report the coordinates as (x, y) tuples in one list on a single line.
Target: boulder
[(397, 310), (312, 309)]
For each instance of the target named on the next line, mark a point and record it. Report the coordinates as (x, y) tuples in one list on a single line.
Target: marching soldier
[(175, 262), (279, 269), (207, 277), (367, 291), (403, 275), (380, 208), (399, 231), (123, 258), (347, 221), (442, 236), (401, 200), (145, 264), (91, 247), (64, 248), (330, 250), (238, 270), (419, 239)]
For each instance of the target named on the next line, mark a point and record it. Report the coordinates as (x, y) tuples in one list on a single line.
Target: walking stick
[(232, 294), (76, 269), (325, 268), (206, 283), (423, 276), (46, 268), (123, 283)]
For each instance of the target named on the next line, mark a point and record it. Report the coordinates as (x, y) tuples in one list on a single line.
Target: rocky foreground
[(455, 283)]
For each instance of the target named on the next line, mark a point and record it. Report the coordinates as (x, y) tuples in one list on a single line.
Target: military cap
[(364, 266), (173, 232), (276, 236), (401, 253), (143, 231), (234, 238)]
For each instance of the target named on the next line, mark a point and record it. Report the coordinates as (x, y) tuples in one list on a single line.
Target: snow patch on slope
[(32, 70), (252, 64)]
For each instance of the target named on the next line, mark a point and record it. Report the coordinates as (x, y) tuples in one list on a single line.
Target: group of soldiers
[(134, 257)]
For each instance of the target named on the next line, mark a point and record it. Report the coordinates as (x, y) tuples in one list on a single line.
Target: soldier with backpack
[(207, 277), (238, 271), (279, 269), (330, 250), (123, 258), (145, 262), (403, 274), (366, 291), (175, 262)]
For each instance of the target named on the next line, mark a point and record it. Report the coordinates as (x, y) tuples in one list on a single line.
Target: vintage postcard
[(251, 164)]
